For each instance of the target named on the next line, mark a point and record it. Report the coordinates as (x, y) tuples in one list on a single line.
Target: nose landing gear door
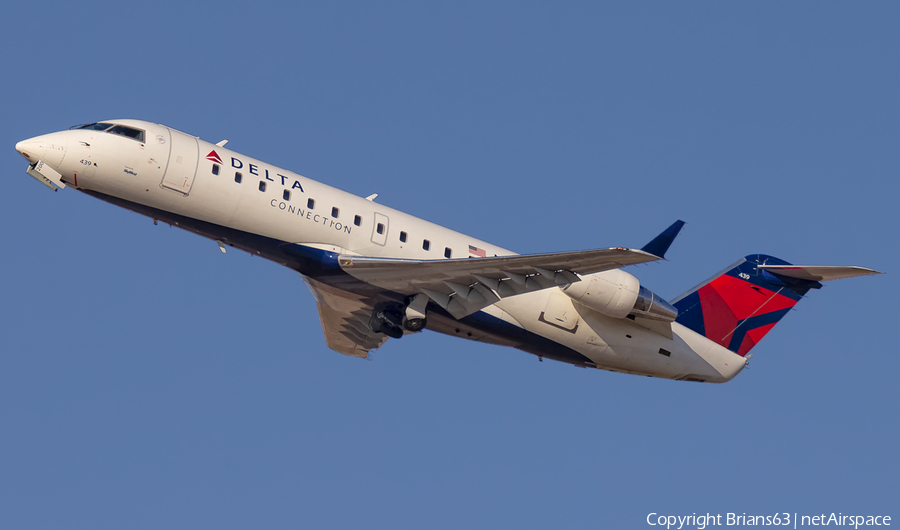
[(182, 166)]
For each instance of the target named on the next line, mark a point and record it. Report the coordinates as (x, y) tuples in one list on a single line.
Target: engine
[(618, 294)]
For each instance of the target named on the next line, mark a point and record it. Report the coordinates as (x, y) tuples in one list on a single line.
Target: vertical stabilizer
[(740, 305)]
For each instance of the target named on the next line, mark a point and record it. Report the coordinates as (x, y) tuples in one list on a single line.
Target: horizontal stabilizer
[(816, 273)]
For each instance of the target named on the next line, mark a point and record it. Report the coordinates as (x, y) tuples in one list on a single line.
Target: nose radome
[(51, 148), (30, 149)]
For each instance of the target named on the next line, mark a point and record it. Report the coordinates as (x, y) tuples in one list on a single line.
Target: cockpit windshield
[(130, 132), (94, 126), (112, 128)]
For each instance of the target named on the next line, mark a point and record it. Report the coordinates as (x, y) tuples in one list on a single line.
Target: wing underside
[(464, 286), (461, 286)]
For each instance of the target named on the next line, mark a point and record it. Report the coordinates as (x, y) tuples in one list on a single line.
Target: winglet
[(663, 241)]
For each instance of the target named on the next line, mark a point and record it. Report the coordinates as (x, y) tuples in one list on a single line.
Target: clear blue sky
[(148, 381)]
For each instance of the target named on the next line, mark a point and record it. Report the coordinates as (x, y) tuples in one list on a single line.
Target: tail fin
[(737, 307)]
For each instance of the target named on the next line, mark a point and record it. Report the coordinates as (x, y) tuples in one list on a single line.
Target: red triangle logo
[(214, 156)]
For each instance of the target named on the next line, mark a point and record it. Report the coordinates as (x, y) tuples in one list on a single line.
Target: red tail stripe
[(753, 337), (718, 319), (745, 299)]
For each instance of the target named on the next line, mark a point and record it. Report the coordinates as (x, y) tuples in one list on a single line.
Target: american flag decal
[(475, 251)]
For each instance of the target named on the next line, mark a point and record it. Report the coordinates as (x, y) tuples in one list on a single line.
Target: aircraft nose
[(30, 149), (51, 148)]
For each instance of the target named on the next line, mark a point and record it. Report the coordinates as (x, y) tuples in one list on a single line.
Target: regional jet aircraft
[(378, 273)]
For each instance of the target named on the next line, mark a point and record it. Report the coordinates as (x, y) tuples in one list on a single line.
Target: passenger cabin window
[(380, 228), (357, 220), (262, 185), (447, 252), (286, 195), (215, 169), (426, 245), (403, 237), (311, 204), (238, 176), (335, 212)]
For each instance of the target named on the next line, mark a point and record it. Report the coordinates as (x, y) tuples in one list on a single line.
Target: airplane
[(378, 273)]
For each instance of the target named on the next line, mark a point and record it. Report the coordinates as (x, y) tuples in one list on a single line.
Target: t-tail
[(737, 307)]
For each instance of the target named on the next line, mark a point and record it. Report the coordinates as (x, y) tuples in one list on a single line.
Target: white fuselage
[(246, 203)]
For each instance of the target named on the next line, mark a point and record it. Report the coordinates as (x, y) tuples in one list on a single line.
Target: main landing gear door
[(182, 166)]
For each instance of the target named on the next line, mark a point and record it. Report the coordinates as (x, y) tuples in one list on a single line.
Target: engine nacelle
[(618, 294), (612, 293)]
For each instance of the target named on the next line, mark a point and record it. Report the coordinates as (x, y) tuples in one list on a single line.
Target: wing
[(463, 286), (345, 320)]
